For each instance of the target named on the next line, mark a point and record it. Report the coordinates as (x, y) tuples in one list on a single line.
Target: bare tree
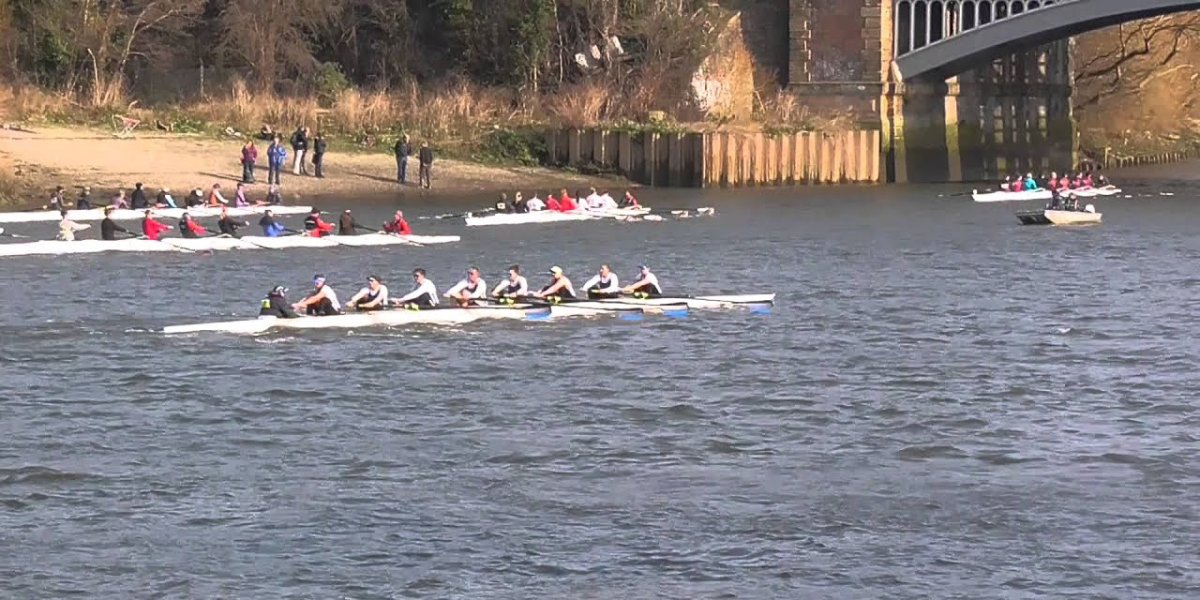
[(274, 38), (1121, 62)]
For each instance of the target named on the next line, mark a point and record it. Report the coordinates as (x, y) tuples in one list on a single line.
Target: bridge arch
[(983, 30)]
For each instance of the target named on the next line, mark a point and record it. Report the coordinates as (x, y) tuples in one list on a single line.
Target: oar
[(12, 235)]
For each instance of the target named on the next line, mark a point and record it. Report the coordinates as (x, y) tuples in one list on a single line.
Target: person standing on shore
[(403, 150), (276, 157), (249, 157), (319, 147), (300, 147), (426, 166)]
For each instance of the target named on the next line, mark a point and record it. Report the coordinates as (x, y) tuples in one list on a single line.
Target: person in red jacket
[(315, 227), (552, 203), (565, 202), (152, 229), (189, 228), (398, 226)]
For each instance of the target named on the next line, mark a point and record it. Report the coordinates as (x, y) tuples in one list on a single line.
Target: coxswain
[(552, 203), (535, 204), (514, 287), (164, 199), (270, 227), (275, 305), (57, 201), (629, 201), (470, 290), (274, 197), (423, 295), (315, 227), (109, 227), (67, 228), (566, 203), (138, 200), (228, 225), (559, 288), (153, 229), (189, 228), (84, 201), (194, 199), (398, 226), (1101, 180), (347, 225), (215, 198), (502, 204), (603, 285), (323, 301), (646, 286), (372, 297)]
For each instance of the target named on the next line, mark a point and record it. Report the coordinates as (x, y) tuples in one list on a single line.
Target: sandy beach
[(43, 157)]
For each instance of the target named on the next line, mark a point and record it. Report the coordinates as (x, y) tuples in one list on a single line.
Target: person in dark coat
[(426, 165), (319, 147), (138, 200), (403, 150)]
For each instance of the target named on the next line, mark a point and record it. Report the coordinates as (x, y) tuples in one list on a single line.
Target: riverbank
[(35, 159)]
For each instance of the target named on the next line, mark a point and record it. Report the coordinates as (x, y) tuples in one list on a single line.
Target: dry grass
[(583, 105)]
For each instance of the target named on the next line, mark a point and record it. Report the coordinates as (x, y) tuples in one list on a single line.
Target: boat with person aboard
[(124, 214), (218, 243), (1086, 216)]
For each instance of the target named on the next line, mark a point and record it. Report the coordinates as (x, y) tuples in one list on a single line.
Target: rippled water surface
[(942, 404)]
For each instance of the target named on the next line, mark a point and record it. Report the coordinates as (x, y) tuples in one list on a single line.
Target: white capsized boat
[(699, 302), (553, 216), (97, 214), (215, 243)]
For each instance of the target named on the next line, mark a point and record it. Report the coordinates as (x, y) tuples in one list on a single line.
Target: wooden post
[(573, 150), (624, 153)]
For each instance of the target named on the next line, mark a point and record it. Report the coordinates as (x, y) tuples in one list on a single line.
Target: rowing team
[(139, 201), (470, 291), (564, 202), (189, 228), (1080, 181)]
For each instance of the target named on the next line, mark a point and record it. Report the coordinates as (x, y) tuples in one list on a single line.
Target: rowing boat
[(121, 214), (215, 243), (1042, 194), (385, 318), (699, 302), (553, 216)]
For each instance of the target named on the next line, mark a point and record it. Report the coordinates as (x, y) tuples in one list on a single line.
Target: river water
[(942, 404)]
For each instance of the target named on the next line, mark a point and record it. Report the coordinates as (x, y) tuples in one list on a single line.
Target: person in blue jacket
[(270, 227), (1030, 183), (276, 157)]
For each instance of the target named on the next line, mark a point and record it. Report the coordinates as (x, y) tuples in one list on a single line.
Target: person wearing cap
[(228, 225), (275, 305), (372, 297), (67, 227), (347, 225), (137, 200), (398, 226), (271, 227), (195, 198), (315, 227), (423, 295), (469, 291), (164, 199), (560, 287), (323, 301), (84, 201), (109, 227), (603, 285), (152, 229), (189, 228), (514, 287), (646, 286)]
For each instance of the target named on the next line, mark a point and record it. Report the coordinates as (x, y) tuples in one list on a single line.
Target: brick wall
[(837, 40), (765, 29)]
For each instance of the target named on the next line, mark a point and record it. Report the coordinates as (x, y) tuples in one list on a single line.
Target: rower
[(152, 229), (270, 227), (119, 201), (603, 285), (84, 202), (470, 290), (514, 287), (566, 202), (164, 199), (423, 295), (398, 226), (559, 288), (275, 305), (315, 227), (323, 301), (109, 227), (195, 198), (228, 225), (372, 297), (189, 228), (57, 201), (535, 204), (67, 228), (215, 198), (593, 199), (347, 225), (519, 204), (273, 196), (138, 201), (629, 201), (502, 204), (552, 203), (605, 202), (646, 286)]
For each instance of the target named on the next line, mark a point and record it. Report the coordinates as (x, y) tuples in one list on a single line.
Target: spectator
[(300, 147), (249, 157), (276, 157), (319, 146), (403, 150), (426, 165), (137, 200)]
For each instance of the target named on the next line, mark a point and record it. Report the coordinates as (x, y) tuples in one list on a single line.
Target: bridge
[(961, 89)]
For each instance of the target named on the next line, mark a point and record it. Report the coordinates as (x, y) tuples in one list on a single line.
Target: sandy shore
[(43, 157)]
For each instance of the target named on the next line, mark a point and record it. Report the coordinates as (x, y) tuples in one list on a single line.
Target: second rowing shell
[(122, 214), (55, 247)]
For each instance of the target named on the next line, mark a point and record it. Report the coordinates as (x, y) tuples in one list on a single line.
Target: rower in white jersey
[(424, 295), (559, 289), (469, 291), (646, 286), (372, 297), (514, 287), (603, 285)]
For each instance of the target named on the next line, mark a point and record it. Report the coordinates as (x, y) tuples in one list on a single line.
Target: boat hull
[(97, 214), (552, 216), (385, 318), (217, 243), (701, 302), (1023, 196), (1058, 217)]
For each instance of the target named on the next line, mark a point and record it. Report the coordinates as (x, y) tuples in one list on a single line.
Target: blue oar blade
[(631, 316), (538, 316), (761, 310), (676, 314)]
